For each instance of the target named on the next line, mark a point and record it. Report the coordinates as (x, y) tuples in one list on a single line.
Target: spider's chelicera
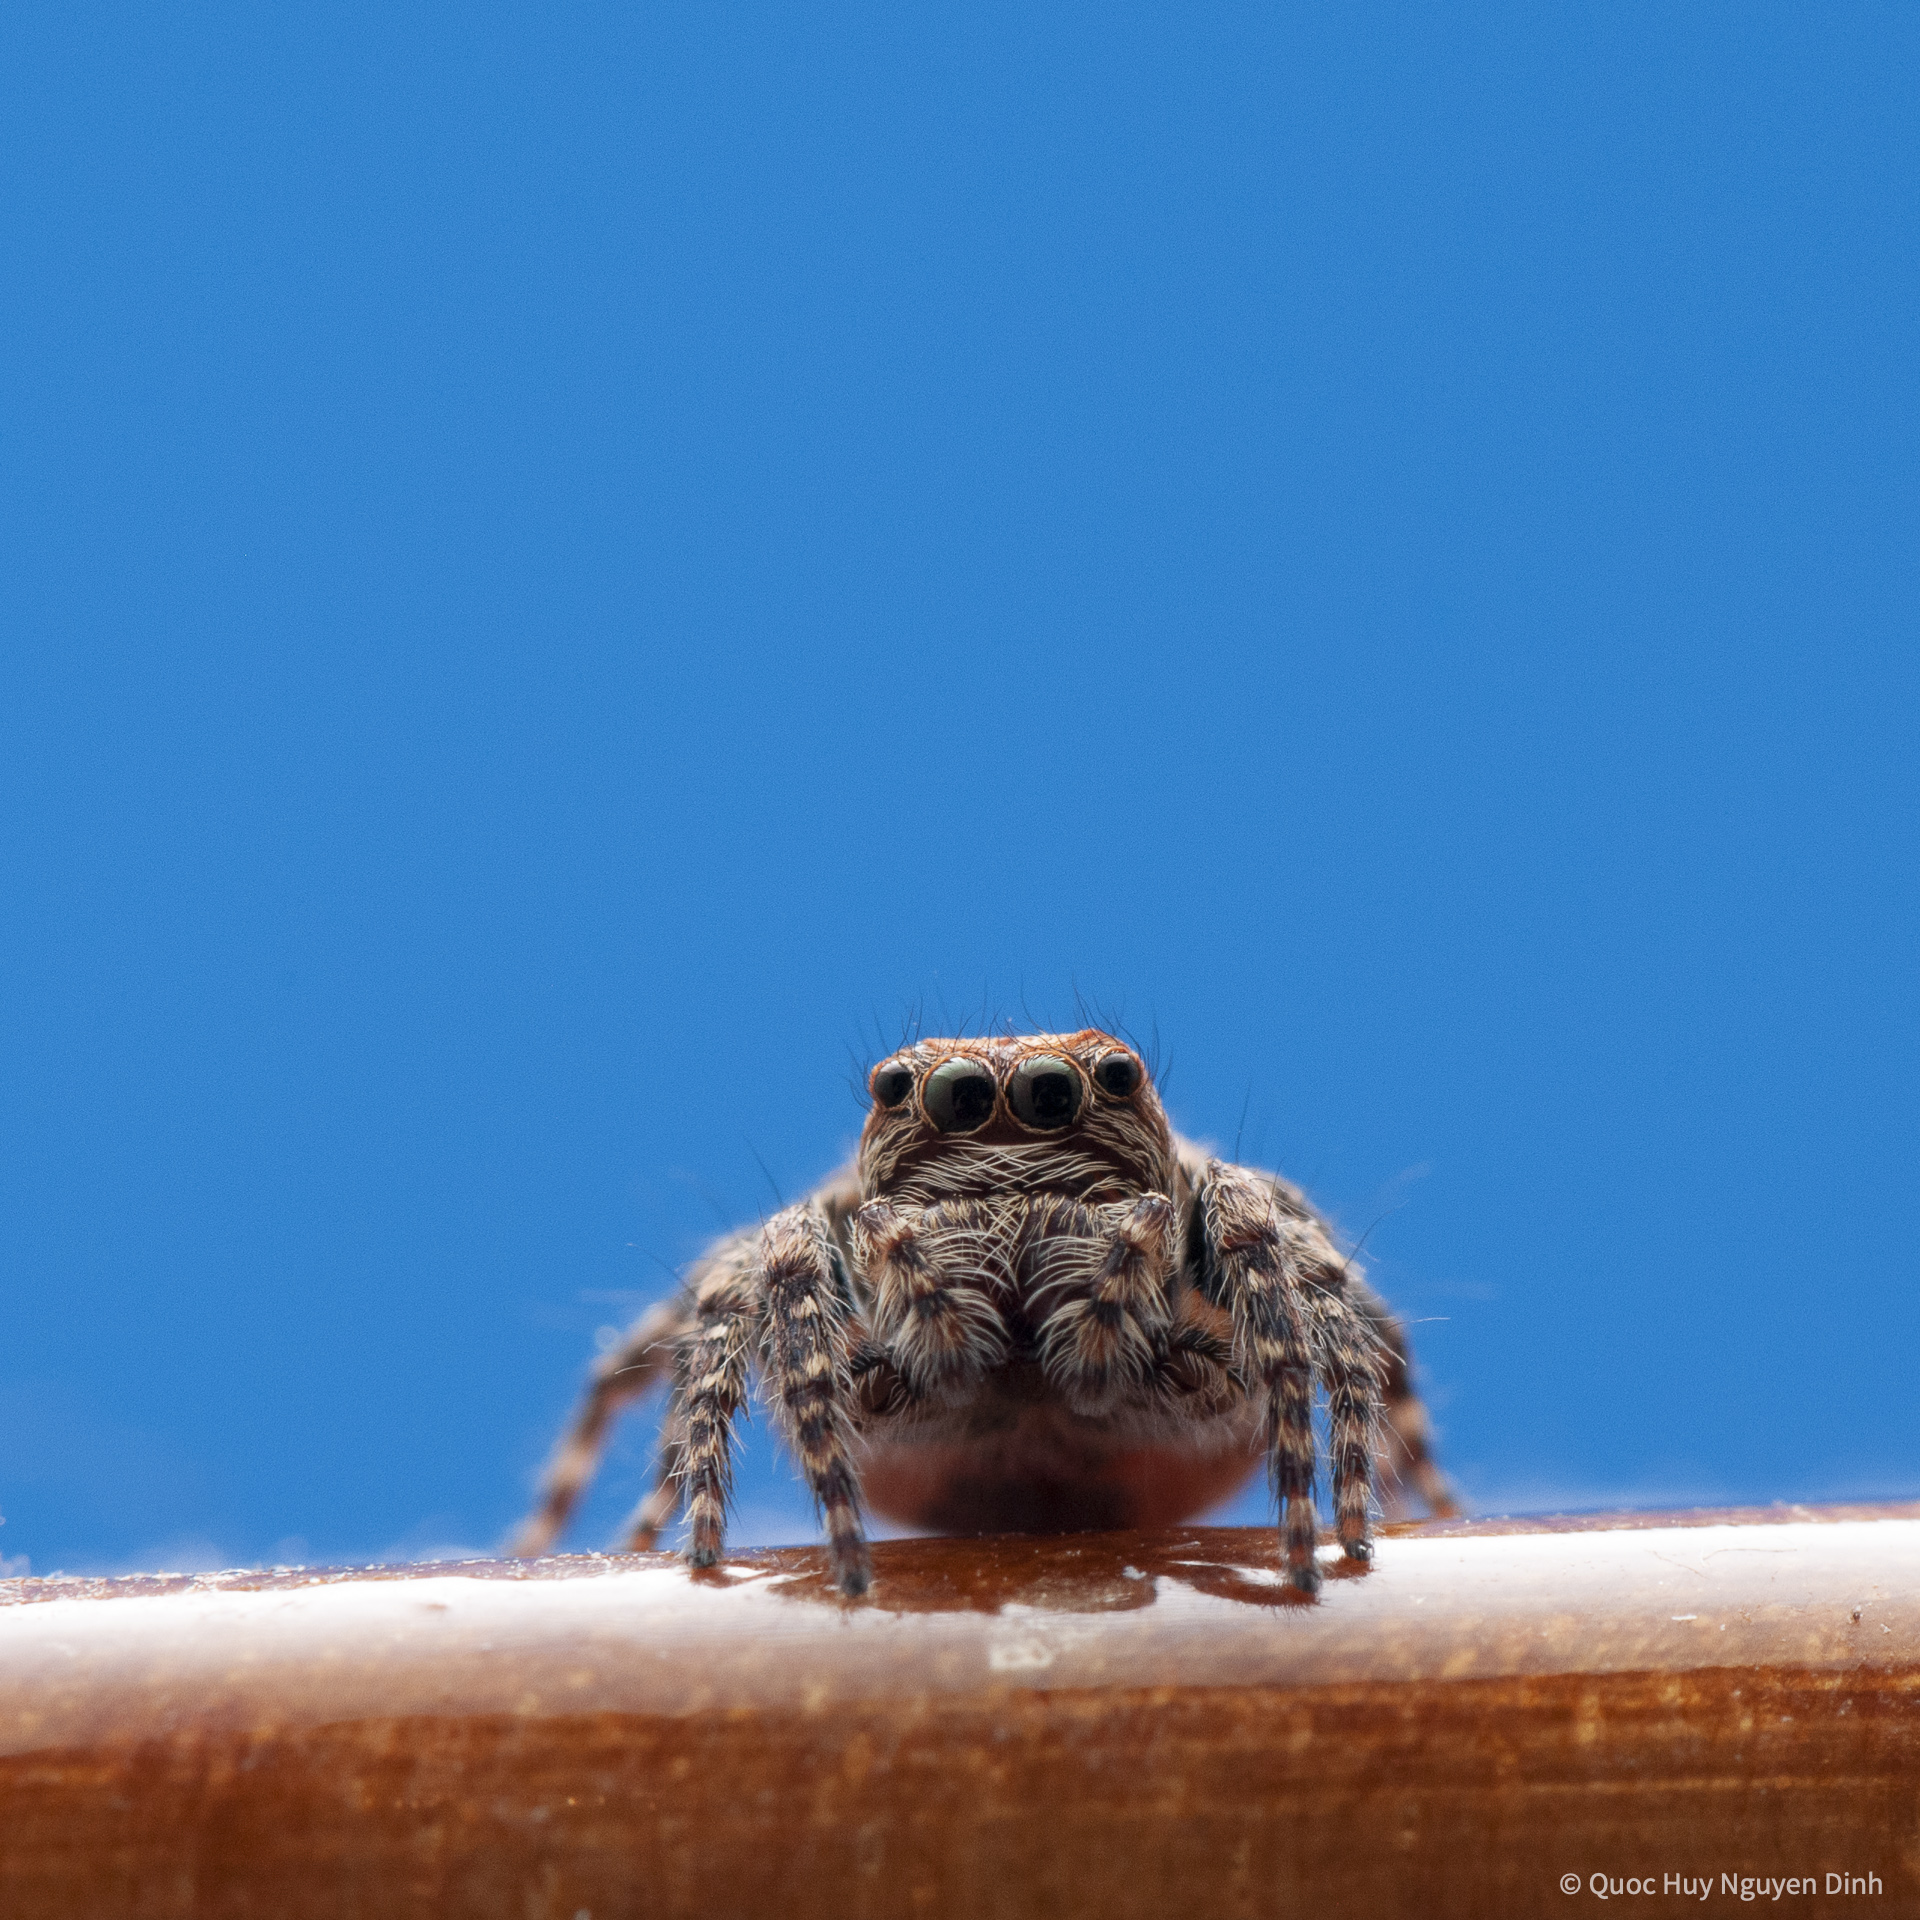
[(1028, 1306)]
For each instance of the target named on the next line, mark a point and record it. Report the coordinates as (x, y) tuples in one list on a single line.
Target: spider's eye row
[(1045, 1092), (1118, 1074), (891, 1085), (958, 1096)]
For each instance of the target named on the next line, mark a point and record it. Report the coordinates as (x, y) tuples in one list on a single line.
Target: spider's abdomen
[(1016, 1459)]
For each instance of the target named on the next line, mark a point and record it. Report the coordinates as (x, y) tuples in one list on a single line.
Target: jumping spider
[(1030, 1306)]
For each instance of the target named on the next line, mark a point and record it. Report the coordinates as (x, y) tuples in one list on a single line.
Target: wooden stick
[(1114, 1725)]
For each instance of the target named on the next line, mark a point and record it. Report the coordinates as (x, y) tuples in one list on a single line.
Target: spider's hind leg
[(1406, 1453), (641, 1528), (638, 1364)]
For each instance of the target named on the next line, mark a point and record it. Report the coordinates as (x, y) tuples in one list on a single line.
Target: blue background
[(568, 568)]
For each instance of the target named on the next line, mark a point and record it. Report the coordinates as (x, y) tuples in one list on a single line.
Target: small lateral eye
[(1044, 1092), (958, 1096), (891, 1085), (1118, 1074)]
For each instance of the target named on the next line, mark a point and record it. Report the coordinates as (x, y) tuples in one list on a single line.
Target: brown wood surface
[(1118, 1724)]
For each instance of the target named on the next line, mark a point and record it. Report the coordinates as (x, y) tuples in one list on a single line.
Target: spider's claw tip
[(1305, 1579), (1360, 1550)]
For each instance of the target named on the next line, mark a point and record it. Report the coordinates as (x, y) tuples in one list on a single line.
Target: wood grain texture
[(1115, 1724)]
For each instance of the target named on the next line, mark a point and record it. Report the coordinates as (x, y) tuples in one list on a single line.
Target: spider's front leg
[(709, 1386), (1284, 1283), (784, 1298), (810, 1378)]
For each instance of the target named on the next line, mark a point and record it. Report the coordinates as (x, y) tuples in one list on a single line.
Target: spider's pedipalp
[(936, 1330), (1103, 1339), (809, 1378)]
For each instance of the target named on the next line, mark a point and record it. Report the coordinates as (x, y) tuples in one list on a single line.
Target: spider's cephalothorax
[(1029, 1305)]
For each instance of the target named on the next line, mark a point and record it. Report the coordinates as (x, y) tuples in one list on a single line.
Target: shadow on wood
[(1115, 1724)]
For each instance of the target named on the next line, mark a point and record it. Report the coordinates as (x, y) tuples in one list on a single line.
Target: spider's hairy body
[(1028, 1305)]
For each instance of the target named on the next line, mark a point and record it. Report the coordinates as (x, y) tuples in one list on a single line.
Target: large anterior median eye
[(890, 1085), (1118, 1074), (959, 1096), (1045, 1092)]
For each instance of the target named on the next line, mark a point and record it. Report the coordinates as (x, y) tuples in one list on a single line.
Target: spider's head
[(1072, 1113)]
